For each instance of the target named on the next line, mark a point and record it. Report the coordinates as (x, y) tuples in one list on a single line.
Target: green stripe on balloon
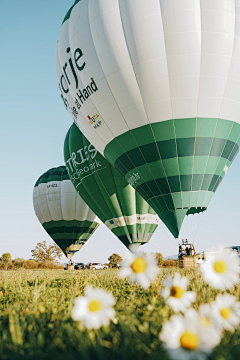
[(171, 149), (164, 131), (67, 16)]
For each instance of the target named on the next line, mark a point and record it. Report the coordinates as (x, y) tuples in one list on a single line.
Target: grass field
[(35, 317)]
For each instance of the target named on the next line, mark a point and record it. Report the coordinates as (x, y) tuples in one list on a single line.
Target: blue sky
[(32, 132)]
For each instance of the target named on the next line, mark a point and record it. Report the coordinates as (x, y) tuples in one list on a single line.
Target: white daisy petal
[(79, 308), (124, 272), (165, 292)]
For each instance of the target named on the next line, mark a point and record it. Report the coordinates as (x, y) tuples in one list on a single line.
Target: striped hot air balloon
[(155, 87), (107, 193), (62, 212)]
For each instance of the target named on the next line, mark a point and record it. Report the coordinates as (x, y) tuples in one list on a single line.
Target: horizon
[(33, 128)]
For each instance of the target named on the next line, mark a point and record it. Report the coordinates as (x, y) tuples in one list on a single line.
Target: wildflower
[(227, 311), (208, 325), (178, 298), (140, 268), (95, 309), (221, 271), (182, 337)]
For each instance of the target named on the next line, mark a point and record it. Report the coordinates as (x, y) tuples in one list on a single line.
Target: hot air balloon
[(106, 191), (155, 87), (62, 212)]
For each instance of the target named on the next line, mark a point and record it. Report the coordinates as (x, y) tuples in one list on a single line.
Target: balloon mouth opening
[(173, 219), (139, 243), (72, 249), (196, 210)]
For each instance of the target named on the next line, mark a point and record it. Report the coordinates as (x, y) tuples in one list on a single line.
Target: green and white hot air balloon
[(62, 212), (155, 87), (106, 191)]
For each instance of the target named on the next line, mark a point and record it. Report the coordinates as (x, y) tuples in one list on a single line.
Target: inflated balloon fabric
[(155, 87), (62, 212), (107, 193)]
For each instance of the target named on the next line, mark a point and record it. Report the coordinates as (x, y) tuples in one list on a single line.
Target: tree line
[(46, 256), (115, 259), (43, 257)]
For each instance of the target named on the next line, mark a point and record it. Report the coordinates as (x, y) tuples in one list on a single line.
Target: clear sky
[(32, 131)]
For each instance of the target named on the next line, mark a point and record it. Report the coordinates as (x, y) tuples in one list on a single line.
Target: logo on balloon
[(93, 121), (51, 185), (133, 179)]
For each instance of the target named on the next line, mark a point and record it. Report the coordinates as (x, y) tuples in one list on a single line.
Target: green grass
[(35, 317)]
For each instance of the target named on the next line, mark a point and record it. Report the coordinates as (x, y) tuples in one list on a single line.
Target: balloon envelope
[(155, 86), (62, 212), (106, 192)]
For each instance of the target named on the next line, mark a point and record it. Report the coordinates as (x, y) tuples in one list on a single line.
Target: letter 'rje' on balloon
[(106, 191), (155, 87), (62, 212)]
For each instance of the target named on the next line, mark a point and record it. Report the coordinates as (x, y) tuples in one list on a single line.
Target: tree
[(114, 260), (43, 252), (6, 257), (159, 258)]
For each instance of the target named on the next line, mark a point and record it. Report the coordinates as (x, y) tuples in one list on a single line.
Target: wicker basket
[(70, 267), (188, 262)]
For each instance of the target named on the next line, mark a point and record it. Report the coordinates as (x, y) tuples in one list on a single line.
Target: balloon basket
[(70, 267), (188, 262)]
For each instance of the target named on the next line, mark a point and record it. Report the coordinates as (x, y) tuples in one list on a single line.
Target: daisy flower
[(221, 271), (141, 269), (182, 337), (95, 309), (208, 325), (178, 298), (227, 311)]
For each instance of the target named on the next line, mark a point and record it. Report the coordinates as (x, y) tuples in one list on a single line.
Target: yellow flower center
[(189, 340), (226, 312), (205, 321), (94, 306), (220, 267), (139, 265), (177, 292)]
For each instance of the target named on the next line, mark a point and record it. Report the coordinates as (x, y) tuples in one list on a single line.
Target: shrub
[(169, 262), (6, 266), (159, 259), (30, 264), (49, 265), (18, 263), (9, 266)]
